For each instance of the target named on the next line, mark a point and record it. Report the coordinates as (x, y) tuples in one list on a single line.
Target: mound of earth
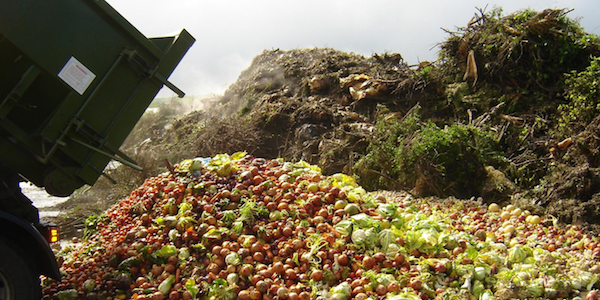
[(511, 81), (317, 105)]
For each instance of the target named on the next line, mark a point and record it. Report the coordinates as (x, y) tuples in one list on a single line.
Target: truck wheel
[(18, 280)]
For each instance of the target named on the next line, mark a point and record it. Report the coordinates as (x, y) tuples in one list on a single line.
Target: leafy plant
[(418, 155), (527, 50), (91, 224), (583, 93)]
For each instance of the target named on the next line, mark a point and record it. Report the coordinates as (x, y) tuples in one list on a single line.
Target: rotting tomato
[(279, 230)]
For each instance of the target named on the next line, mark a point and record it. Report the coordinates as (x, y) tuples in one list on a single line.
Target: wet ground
[(42, 200), (47, 206)]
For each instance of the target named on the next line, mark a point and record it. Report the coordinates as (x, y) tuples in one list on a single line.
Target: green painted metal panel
[(75, 77)]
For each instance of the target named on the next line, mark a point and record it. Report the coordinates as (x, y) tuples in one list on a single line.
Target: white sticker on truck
[(76, 75)]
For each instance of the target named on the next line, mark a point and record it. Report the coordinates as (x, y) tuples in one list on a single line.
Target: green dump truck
[(75, 77)]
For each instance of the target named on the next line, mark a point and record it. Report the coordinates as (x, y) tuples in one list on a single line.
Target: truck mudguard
[(32, 241)]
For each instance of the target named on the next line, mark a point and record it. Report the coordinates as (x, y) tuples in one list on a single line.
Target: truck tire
[(18, 280)]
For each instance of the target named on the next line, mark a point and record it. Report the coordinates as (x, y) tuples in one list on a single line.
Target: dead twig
[(530, 161), (168, 165), (394, 181)]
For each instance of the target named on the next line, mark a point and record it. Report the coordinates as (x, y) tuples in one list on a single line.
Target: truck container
[(75, 77)]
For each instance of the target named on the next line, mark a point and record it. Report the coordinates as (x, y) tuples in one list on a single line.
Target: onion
[(494, 207)]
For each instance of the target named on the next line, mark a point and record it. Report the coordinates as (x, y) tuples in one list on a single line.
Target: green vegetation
[(583, 95), (432, 160), (525, 53), (91, 224)]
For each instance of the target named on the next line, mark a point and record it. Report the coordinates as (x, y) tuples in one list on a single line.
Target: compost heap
[(240, 227), (509, 113)]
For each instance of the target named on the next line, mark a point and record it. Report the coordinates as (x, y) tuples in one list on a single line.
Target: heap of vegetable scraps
[(239, 227)]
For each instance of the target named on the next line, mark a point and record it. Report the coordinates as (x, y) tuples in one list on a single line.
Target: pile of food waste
[(240, 227)]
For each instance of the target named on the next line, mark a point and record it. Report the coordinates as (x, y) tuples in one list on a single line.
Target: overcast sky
[(229, 33)]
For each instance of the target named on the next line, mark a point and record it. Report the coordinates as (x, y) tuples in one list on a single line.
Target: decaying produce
[(239, 227)]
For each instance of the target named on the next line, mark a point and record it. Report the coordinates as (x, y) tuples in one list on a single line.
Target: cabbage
[(342, 180), (165, 286), (487, 295), (173, 235), (379, 278), (341, 291), (184, 166), (391, 251), (477, 289), (363, 220), (233, 259), (192, 288), (372, 238), (359, 236), (480, 273), (233, 278), (223, 165), (353, 197), (166, 251), (403, 296), (198, 163), (386, 238), (536, 287), (490, 258), (184, 253), (344, 227), (388, 210), (301, 167), (519, 253), (423, 240), (584, 279)]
